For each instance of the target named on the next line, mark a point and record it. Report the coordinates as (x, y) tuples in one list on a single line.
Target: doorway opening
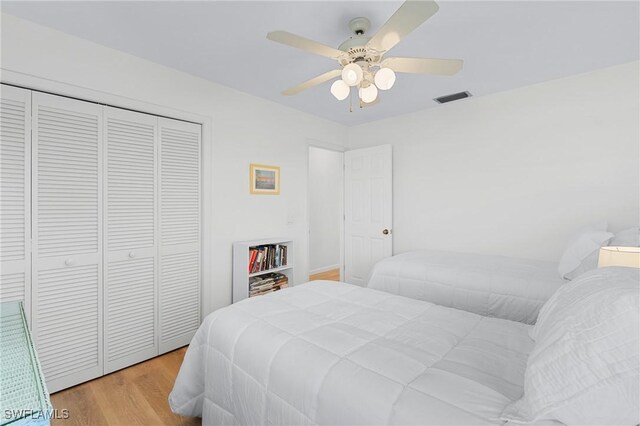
[(326, 214)]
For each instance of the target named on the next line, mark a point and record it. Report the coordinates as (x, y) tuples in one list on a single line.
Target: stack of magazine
[(267, 283)]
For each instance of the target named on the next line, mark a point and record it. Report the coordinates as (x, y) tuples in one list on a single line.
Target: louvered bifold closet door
[(130, 291), (15, 187), (67, 238), (180, 278)]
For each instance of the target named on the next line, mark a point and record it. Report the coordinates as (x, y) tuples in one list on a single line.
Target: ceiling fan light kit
[(340, 90), (362, 57), (385, 78), (368, 94), (352, 74)]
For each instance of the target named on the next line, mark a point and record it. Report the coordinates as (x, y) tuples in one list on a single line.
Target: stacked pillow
[(581, 254), (627, 238), (585, 365)]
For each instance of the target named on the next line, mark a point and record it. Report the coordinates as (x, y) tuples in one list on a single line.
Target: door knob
[(385, 231), (132, 254), (69, 262)]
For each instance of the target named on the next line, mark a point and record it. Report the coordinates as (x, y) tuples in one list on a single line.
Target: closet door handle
[(69, 262), (132, 254)]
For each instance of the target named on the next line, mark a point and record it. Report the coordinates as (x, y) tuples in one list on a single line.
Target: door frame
[(313, 143)]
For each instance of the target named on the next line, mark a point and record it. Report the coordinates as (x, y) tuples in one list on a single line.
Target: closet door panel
[(180, 269), (68, 205), (131, 233), (67, 238), (131, 179), (130, 313), (15, 195), (68, 324), (180, 304)]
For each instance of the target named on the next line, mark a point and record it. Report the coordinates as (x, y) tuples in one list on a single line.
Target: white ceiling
[(505, 44)]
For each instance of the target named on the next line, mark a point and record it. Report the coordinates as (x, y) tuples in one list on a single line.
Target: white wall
[(245, 129), (515, 173), (512, 173), (325, 209)]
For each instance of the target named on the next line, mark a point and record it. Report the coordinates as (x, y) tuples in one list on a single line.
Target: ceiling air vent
[(453, 97)]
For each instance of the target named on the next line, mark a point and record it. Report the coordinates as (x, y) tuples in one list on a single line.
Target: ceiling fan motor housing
[(359, 54), (355, 46)]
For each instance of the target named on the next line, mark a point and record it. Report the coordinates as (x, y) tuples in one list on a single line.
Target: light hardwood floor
[(332, 275), (134, 396)]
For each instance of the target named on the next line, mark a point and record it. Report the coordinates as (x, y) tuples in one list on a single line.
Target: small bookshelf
[(261, 266)]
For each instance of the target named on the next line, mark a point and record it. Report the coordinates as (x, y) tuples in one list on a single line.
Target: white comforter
[(332, 353), (495, 286)]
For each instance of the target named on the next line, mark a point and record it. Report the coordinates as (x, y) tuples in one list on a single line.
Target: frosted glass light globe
[(352, 74), (369, 94), (340, 90), (385, 78)]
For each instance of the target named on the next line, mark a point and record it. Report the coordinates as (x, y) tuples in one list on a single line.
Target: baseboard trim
[(324, 269)]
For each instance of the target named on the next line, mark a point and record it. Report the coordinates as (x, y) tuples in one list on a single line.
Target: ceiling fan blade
[(424, 65), (313, 82), (407, 18), (299, 42)]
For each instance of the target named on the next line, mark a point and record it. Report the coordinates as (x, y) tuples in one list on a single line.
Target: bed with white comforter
[(333, 353), (495, 286)]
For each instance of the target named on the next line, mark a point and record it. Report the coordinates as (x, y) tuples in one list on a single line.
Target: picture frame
[(264, 180)]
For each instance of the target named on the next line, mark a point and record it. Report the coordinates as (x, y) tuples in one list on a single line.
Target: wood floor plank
[(154, 386), (122, 397), (332, 275), (137, 395), (86, 410)]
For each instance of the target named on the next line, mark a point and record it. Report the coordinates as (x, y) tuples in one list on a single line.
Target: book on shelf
[(263, 258), (252, 258), (267, 283)]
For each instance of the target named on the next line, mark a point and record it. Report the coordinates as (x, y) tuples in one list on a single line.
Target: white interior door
[(15, 195), (67, 239), (368, 210), (130, 284)]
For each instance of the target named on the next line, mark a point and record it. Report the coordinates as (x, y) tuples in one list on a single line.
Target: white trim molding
[(324, 269)]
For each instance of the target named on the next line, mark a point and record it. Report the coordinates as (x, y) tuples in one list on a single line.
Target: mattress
[(494, 286), (332, 353)]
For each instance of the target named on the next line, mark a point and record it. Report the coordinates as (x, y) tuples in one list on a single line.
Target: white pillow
[(581, 254), (627, 238), (585, 366)]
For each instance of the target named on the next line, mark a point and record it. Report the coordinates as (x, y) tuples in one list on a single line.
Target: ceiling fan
[(361, 58)]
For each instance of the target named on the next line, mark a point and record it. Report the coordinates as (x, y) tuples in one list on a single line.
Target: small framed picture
[(264, 179)]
